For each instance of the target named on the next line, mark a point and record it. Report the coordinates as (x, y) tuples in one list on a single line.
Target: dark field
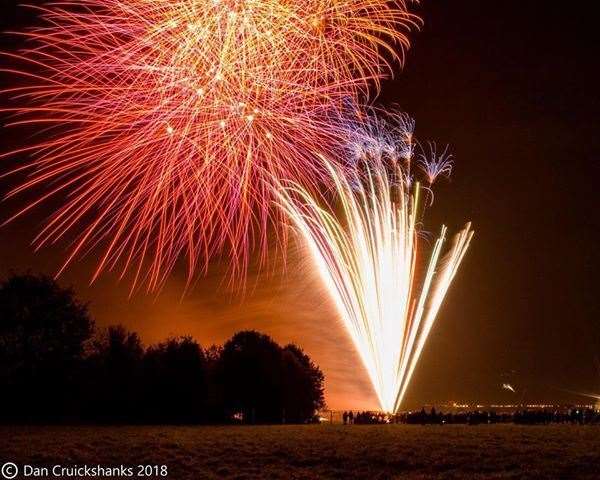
[(320, 451)]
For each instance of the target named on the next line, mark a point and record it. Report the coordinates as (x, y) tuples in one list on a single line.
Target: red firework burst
[(165, 121)]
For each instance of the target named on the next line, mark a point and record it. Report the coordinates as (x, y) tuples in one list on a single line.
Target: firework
[(368, 256), (166, 119), (435, 164)]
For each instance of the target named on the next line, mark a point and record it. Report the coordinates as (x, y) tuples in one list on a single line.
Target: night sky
[(512, 87)]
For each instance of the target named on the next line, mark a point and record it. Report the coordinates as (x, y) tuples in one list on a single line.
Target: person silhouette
[(345, 417), (350, 417)]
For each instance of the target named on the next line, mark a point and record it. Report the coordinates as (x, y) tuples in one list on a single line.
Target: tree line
[(57, 366)]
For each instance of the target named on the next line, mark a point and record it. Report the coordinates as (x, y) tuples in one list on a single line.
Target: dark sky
[(512, 87)]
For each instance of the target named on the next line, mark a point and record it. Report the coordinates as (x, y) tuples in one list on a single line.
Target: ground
[(317, 451)]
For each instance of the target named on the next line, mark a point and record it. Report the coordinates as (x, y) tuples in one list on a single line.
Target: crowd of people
[(364, 418), (581, 416), (578, 416), (525, 416)]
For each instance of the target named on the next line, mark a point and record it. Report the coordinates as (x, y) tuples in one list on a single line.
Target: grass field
[(319, 451)]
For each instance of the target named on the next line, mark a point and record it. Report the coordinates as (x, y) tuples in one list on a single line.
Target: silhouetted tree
[(114, 376), (43, 334), (268, 384), (250, 375), (175, 382), (52, 370), (303, 385), (215, 394)]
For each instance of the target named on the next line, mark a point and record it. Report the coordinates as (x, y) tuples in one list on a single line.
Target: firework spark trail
[(166, 119), (368, 257)]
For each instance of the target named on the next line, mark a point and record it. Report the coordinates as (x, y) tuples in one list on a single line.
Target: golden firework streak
[(367, 255)]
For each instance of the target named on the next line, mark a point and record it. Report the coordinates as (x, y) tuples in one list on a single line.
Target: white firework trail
[(368, 254)]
